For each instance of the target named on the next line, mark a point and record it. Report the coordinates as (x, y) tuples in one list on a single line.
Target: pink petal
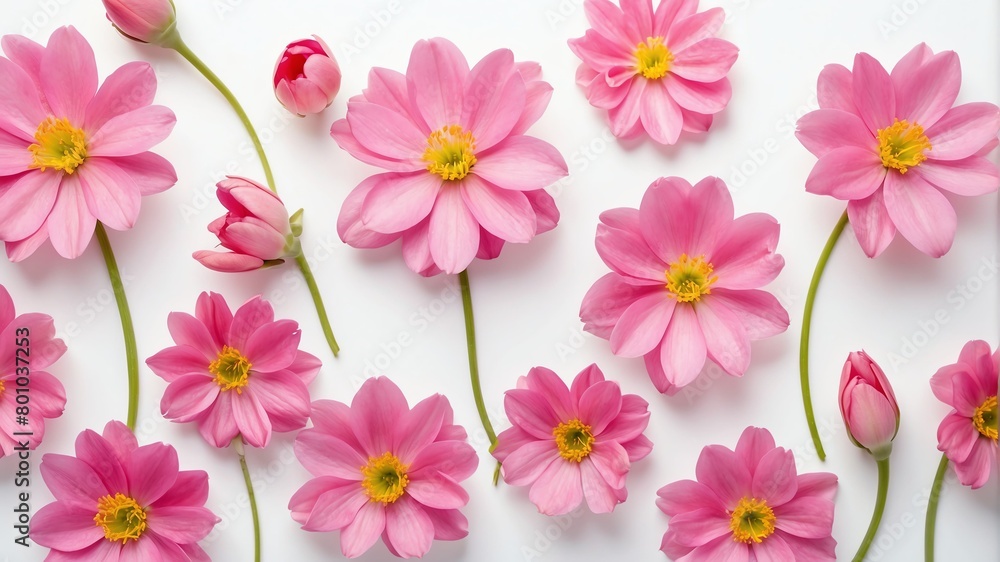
[(530, 411), (671, 11), (399, 201), (60, 526), (725, 337), (284, 397), (600, 405), (611, 461), (451, 456), (708, 60), (759, 312), (963, 131), (25, 53), (251, 418), (678, 219), (971, 176), (623, 248), (660, 115), (525, 464), (549, 385), (45, 348), (625, 115), (835, 89), (249, 317), (449, 524), (908, 66), (774, 478), (26, 204), (825, 130), (385, 132), (218, 427), (376, 408), (247, 198), (227, 262), (435, 78), (151, 172), (417, 250), (818, 484), (871, 223), (700, 526), (871, 418), (601, 497), (14, 155), (187, 397), (744, 257), (349, 224), (684, 349), (103, 550), (642, 325), (323, 455), (130, 87), (600, 94), (72, 481), (521, 163), (68, 74), (20, 109), (687, 495), (504, 213), (814, 550), (132, 133), (975, 471), (181, 524), (606, 301), (873, 92), (699, 97), (601, 53), (639, 14), (190, 488), (388, 88), (494, 99), (151, 472), (341, 132), (121, 438), (22, 249), (362, 533), (213, 311), (930, 91), (253, 237), (334, 509), (805, 517), (725, 473), (419, 427), (921, 213), (607, 19), (847, 173), (774, 549), (559, 488), (630, 422), (48, 397), (111, 195), (409, 530), (537, 96), (273, 346), (98, 453), (689, 30), (6, 307), (437, 490), (187, 331), (454, 232)]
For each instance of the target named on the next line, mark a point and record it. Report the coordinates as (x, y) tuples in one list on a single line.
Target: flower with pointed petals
[(868, 405), (146, 21), (235, 374), (117, 500), (72, 154), (572, 444), (890, 143), (750, 504), (684, 282), (306, 76), (384, 470)]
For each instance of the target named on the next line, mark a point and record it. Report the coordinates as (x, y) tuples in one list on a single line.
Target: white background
[(527, 301)]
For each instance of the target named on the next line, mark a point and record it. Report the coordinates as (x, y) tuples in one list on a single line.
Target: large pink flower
[(684, 282), (889, 143), (750, 504), (235, 374), (663, 72), (462, 177), (117, 500), (571, 444), (72, 154), (383, 469), (968, 434), (27, 347)]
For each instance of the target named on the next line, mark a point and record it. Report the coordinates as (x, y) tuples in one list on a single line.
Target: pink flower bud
[(306, 77), (147, 21), (868, 405)]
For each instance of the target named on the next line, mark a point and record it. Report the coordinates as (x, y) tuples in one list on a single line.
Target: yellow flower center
[(231, 369), (653, 58), (450, 152), (574, 439), (902, 145), (752, 521), (385, 478), (984, 418), (60, 146), (688, 279), (121, 518)]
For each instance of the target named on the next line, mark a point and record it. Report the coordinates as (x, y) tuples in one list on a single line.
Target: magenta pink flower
[(889, 143), (663, 72), (968, 434), (147, 21), (868, 405), (684, 282), (571, 444), (72, 154), (117, 500), (235, 374), (383, 469), (462, 177), (28, 346), (750, 505), (306, 76), (256, 228)]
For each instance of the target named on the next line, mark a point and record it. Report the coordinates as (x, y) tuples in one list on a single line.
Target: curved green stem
[(806, 325), (318, 300), (131, 355), (883, 489), (238, 445), (932, 509)]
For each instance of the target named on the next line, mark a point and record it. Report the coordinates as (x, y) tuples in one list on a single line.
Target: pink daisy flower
[(462, 177), (235, 374), (750, 504), (72, 154), (384, 469), (968, 434), (27, 347), (890, 143), (684, 281), (571, 444), (117, 500), (661, 72)]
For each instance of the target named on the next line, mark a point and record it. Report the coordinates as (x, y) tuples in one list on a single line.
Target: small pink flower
[(684, 281), (147, 21), (968, 434), (33, 334), (868, 405), (235, 374), (889, 143), (306, 76), (384, 470), (462, 177), (571, 444), (661, 72), (750, 504), (117, 500), (256, 229), (72, 154)]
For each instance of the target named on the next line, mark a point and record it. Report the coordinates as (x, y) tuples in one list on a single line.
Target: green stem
[(477, 391), (238, 445), (932, 509), (883, 489), (318, 300), (806, 325), (131, 355)]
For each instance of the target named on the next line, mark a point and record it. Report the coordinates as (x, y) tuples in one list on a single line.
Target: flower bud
[(868, 405), (306, 77), (146, 21)]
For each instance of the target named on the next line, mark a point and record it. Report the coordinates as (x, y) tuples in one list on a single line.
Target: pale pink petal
[(639, 15), (385, 132), (607, 19), (530, 411), (362, 533), (27, 203), (151, 471), (504, 213), (349, 224), (323, 455), (251, 418), (744, 257), (181, 524), (847, 173), (873, 93), (121, 438), (341, 132), (48, 396), (249, 317), (971, 176), (774, 478), (825, 130), (975, 471), (6, 307), (187, 331), (559, 488), (104, 550), (673, 549), (601, 53), (759, 312), (14, 155), (678, 219), (334, 419), (62, 527), (725, 473), (871, 418), (930, 91), (807, 517), (699, 97), (98, 453), (708, 60), (68, 74), (213, 311), (132, 133), (25, 53), (774, 549), (218, 427), (20, 109), (660, 115), (814, 550), (408, 529), (285, 399), (449, 524), (835, 88), (436, 490), (418, 428), (435, 78), (871, 223), (334, 509), (630, 422), (625, 115), (388, 87), (22, 249), (600, 94), (976, 354), (963, 131), (521, 163), (187, 397), (611, 461), (377, 405), (600, 405), (195, 553), (151, 172), (689, 30), (700, 526), (623, 248), (725, 337), (273, 346), (548, 384), (494, 99), (908, 66), (111, 195), (526, 463), (71, 481), (152, 549), (128, 88), (601, 497), (254, 237), (921, 213), (44, 348), (670, 11), (190, 488), (684, 349), (417, 250), (687, 495), (451, 456), (537, 96), (606, 301), (453, 232), (399, 201), (511, 439), (642, 325), (227, 262)]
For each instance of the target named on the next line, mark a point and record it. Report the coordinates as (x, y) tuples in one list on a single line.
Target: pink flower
[(749, 505), (684, 282), (662, 72), (27, 347), (571, 444), (383, 469), (143, 506), (968, 434), (889, 143), (235, 374), (72, 154), (868, 405), (462, 177), (306, 76), (147, 21), (256, 228)]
